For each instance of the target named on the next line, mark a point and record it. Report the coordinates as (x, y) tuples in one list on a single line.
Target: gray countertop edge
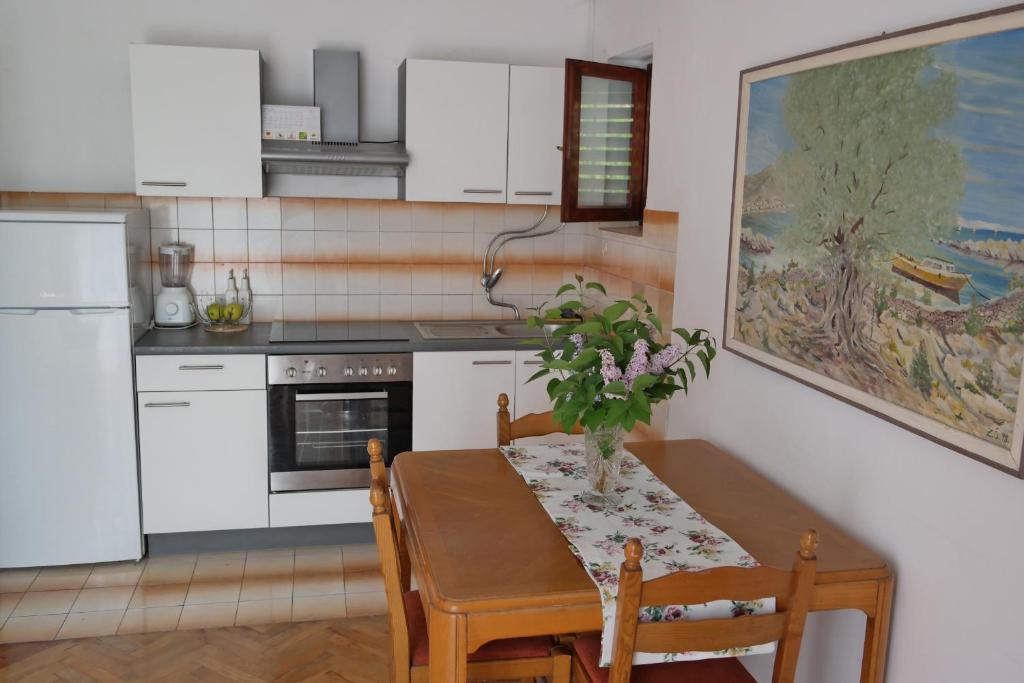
[(196, 341)]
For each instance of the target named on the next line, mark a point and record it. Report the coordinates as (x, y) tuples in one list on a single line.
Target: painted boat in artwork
[(938, 275)]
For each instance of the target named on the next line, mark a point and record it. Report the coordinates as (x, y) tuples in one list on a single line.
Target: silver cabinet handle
[(164, 183), (200, 367), (470, 190), (168, 404), (533, 362), (532, 193), (492, 362)]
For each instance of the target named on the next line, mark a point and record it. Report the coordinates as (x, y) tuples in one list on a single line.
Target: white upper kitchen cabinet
[(196, 121), (454, 121), (535, 119), (455, 398)]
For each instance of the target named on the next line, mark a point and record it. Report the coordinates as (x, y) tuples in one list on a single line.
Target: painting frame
[(928, 35)]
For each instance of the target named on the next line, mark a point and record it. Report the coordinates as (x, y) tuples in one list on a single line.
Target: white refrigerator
[(75, 293)]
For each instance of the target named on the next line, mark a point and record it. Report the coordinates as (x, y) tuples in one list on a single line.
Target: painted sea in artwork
[(882, 240)]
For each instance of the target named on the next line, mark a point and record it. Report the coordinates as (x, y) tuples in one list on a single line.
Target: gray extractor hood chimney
[(340, 165)]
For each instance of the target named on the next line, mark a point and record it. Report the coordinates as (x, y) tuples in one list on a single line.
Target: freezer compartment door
[(68, 464), (63, 265)]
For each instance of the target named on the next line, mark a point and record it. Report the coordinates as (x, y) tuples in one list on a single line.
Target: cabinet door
[(456, 130), (204, 460), (532, 397), (535, 118), (455, 398), (196, 121)]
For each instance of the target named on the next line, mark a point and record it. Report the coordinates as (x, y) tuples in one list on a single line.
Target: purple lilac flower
[(609, 371), (638, 364), (577, 339), (664, 358)]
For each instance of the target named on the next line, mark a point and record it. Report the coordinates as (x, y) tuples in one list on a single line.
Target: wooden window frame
[(575, 70)]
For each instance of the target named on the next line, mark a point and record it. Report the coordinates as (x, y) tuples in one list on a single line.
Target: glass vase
[(603, 453)]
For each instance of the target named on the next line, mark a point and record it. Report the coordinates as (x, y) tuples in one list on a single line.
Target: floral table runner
[(674, 535)]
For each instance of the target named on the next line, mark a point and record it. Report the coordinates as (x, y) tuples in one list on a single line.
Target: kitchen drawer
[(201, 373), (305, 508)]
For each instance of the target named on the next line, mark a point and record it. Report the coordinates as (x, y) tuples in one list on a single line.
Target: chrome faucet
[(492, 275)]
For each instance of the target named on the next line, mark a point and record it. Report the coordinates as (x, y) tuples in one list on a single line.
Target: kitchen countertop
[(256, 339)]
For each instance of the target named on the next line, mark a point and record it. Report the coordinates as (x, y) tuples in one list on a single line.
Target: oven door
[(319, 433)]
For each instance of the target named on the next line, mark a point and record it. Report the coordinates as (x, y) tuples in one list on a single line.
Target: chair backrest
[(379, 474), (791, 589), (534, 424), (386, 532)]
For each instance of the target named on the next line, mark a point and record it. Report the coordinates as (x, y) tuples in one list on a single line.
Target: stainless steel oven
[(322, 411)]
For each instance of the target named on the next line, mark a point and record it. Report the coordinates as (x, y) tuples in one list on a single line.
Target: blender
[(174, 302)]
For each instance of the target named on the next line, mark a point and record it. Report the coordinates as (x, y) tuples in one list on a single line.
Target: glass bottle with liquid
[(231, 293), (245, 297)]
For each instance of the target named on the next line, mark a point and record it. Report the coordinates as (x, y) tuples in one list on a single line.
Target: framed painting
[(877, 243)]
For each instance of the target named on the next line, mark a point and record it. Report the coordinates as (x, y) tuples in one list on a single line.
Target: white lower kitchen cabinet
[(304, 508), (203, 458), (454, 397)]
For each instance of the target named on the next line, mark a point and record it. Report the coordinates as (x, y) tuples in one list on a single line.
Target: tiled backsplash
[(331, 259)]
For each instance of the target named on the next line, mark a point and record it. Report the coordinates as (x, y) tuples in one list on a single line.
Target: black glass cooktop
[(336, 332)]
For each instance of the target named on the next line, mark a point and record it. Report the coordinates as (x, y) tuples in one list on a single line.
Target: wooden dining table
[(491, 564)]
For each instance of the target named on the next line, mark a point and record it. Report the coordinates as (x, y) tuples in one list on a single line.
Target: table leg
[(876, 636), (448, 651)]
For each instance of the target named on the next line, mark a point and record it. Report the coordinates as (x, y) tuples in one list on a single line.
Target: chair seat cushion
[(727, 670), (511, 648)]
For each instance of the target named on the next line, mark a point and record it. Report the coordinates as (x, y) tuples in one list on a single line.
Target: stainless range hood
[(340, 165)]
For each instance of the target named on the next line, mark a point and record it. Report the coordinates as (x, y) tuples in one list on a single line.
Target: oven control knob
[(290, 372), (348, 372), (392, 370), (321, 371), (378, 371), (362, 372)]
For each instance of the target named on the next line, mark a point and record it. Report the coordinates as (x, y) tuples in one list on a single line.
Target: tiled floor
[(178, 592)]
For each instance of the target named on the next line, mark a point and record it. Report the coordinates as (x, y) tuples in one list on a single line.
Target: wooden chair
[(792, 591), (514, 658), (534, 424)]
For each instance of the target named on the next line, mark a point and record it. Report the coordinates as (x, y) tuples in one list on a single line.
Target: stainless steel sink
[(471, 329)]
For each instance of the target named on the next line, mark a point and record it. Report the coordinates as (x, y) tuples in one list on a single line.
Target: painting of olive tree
[(878, 229)]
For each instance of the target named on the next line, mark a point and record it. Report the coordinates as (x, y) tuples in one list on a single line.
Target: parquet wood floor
[(341, 650)]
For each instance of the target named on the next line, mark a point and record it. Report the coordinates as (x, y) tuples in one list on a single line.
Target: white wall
[(951, 527), (65, 115)]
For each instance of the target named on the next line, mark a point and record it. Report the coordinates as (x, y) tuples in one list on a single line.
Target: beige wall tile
[(266, 308), (264, 278), (297, 246), (28, 629), (396, 307), (457, 217), (363, 214), (395, 278), (331, 278), (264, 213), (230, 246), (330, 214), (168, 569), (207, 616), (318, 607), (8, 601), (458, 278), (427, 247), (427, 306), (121, 201), (298, 278), (229, 214), (163, 211), (364, 307), (427, 217), (296, 213), (45, 602), (115, 574), (195, 213), (488, 218), (158, 236), (331, 307), (90, 624), (153, 619), (87, 200), (371, 581), (100, 599), (396, 247), (330, 247), (299, 307), (264, 246), (363, 247), (522, 215), (427, 279), (457, 247), (395, 216), (202, 244), (457, 307), (213, 591)]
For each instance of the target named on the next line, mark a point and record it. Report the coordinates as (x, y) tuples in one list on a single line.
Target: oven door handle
[(359, 395)]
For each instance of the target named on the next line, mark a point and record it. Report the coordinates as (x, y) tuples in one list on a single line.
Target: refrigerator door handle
[(92, 311), (18, 311)]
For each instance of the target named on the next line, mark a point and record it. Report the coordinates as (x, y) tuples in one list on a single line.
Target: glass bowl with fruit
[(216, 316)]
